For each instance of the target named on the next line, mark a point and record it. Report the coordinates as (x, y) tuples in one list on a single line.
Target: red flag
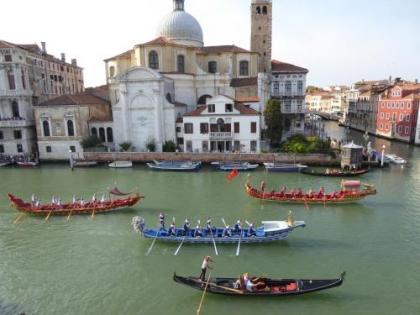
[(232, 175)]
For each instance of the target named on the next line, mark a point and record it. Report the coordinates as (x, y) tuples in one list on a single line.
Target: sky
[(339, 41)]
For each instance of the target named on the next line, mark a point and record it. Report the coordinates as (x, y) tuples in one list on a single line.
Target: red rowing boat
[(126, 200), (351, 191)]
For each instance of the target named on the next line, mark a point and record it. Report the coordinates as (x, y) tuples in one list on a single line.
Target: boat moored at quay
[(230, 166), (175, 166)]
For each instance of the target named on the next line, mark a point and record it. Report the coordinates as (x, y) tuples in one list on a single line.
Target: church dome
[(181, 27)]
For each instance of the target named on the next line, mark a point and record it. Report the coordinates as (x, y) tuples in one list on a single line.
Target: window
[(46, 128), (178, 129), (264, 10), (109, 134), (8, 58), (22, 72), (276, 89), (181, 63), (189, 146), (253, 146), (407, 130), (408, 105), (1, 135), (204, 128), (11, 78), (211, 108), (72, 148), (258, 10), (188, 128), (300, 87), (94, 132), (243, 68), (236, 127), (407, 118), (112, 71), (287, 106), (212, 67), (288, 87), (400, 129), (228, 108), (1, 148), (153, 60), (19, 148), (48, 149), (15, 109), (205, 146), (237, 146), (387, 116), (70, 128), (102, 134), (253, 127), (17, 134), (382, 115)]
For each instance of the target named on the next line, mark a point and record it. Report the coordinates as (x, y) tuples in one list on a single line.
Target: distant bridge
[(325, 116)]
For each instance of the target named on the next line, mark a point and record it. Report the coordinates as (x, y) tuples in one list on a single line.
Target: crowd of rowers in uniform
[(209, 230), (56, 201), (298, 193)]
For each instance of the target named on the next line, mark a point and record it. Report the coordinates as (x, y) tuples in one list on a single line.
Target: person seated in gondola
[(238, 227), (172, 229), (186, 227), (74, 199), (251, 230), (209, 228), (162, 221), (34, 199), (300, 193), (321, 192), (53, 200), (59, 203), (82, 202), (282, 190), (310, 193), (94, 198), (38, 203), (197, 231), (227, 231), (103, 199)]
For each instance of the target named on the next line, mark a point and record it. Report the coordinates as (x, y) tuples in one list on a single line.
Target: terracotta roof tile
[(238, 82), (247, 99), (243, 110), (197, 111), (223, 48), (279, 66), (85, 98)]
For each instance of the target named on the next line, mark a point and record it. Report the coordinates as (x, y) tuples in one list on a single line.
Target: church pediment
[(140, 73)]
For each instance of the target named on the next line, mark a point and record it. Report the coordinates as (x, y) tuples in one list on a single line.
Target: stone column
[(125, 112), (159, 117)]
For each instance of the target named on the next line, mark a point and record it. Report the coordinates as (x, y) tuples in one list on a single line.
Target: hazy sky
[(339, 41)]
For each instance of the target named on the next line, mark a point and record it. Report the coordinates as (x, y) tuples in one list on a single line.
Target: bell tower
[(261, 32)]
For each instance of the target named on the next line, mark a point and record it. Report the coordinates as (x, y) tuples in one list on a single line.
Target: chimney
[(63, 57), (44, 47), (74, 62)]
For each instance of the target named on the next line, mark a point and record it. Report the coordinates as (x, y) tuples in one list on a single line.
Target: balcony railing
[(15, 93), (16, 123), (220, 135)]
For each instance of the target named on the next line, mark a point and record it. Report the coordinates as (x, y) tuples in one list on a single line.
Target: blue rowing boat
[(230, 166), (284, 168), (175, 166), (269, 231)]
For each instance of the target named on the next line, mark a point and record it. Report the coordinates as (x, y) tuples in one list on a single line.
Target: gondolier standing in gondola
[(208, 226), (186, 227), (162, 221), (204, 266), (238, 227)]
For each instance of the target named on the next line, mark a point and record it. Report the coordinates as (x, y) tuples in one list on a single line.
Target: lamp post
[(382, 155)]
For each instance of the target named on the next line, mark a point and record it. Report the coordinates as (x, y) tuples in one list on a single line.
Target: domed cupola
[(181, 27)]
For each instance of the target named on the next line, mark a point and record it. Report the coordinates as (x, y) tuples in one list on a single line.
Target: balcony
[(16, 123), (15, 93), (221, 136)]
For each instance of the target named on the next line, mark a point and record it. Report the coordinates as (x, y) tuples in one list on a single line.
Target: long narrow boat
[(334, 172), (262, 286), (269, 231), (2, 164), (27, 164), (125, 200), (230, 166), (284, 168), (175, 166), (351, 191)]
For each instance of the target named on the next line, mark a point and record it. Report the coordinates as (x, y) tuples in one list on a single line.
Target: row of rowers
[(56, 201), (209, 230), (298, 193)]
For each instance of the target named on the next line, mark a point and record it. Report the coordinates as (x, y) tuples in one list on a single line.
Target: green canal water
[(99, 266)]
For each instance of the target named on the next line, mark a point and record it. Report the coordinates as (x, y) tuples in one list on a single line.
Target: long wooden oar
[(48, 216), (239, 245), (93, 214), (214, 242), (153, 244), (204, 293), (306, 204), (180, 245), (18, 218), (68, 217)]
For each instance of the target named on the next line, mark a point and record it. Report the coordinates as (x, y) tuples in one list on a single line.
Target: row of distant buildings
[(172, 88), (386, 108)]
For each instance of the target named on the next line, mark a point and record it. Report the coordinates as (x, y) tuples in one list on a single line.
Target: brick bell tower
[(261, 32)]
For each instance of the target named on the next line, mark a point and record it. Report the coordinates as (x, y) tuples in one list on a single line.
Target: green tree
[(91, 142), (125, 146), (273, 121), (151, 146), (169, 146)]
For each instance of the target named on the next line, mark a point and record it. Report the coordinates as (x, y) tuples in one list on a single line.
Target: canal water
[(99, 265)]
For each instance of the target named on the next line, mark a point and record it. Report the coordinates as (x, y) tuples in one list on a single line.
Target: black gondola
[(334, 172), (261, 287)]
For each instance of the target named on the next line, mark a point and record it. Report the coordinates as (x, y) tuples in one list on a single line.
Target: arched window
[(153, 60), (169, 97), (102, 134), (258, 10), (112, 71), (244, 68), (70, 128), (109, 134), (94, 132), (15, 109), (180, 63), (220, 125), (212, 66), (202, 99), (46, 128), (264, 11)]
